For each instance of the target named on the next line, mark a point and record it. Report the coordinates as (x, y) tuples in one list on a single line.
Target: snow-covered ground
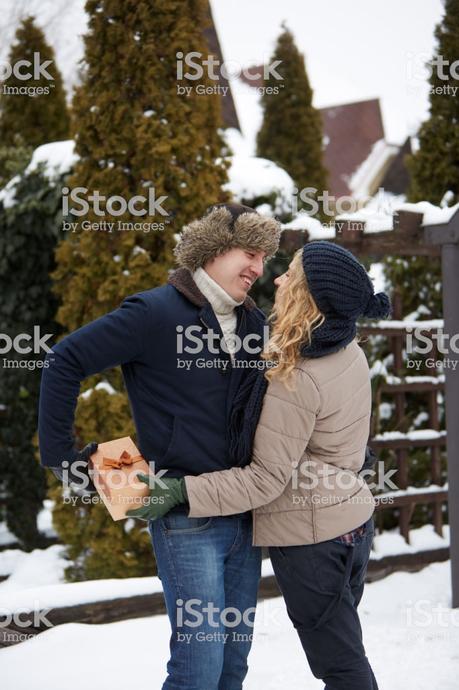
[(36, 579), (411, 637), (411, 633)]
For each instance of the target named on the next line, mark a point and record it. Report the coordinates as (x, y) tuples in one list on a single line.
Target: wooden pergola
[(407, 236)]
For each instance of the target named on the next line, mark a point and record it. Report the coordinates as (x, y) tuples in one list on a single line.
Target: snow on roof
[(361, 180)]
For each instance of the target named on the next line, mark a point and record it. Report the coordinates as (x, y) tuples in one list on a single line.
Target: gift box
[(116, 465)]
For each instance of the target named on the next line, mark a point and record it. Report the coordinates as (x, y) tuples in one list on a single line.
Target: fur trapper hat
[(223, 227)]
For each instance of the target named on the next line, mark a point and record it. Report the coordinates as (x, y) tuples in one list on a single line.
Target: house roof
[(351, 130), (397, 177), (229, 114)]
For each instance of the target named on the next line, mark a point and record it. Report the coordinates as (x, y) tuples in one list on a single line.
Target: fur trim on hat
[(210, 236)]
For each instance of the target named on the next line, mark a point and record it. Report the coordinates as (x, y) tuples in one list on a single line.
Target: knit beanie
[(343, 291), (223, 227)]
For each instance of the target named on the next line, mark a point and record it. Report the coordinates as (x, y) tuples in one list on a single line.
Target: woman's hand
[(165, 495)]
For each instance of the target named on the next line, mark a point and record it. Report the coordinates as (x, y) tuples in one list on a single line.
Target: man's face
[(236, 270)]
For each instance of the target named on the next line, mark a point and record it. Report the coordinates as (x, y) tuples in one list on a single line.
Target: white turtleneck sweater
[(222, 303)]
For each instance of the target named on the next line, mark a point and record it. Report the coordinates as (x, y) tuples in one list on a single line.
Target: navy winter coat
[(181, 416)]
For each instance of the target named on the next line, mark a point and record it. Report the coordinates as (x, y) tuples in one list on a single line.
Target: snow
[(375, 219), (428, 324), (391, 543), (438, 216), (37, 578), (42, 568), (316, 230), (376, 274), (410, 632), (251, 177), (6, 537), (415, 379), (378, 212), (362, 180), (45, 519), (55, 595), (57, 158), (432, 215), (418, 435)]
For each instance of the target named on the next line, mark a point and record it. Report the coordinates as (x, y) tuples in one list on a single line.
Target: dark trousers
[(322, 585)]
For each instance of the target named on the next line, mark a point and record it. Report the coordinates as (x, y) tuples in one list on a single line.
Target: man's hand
[(77, 472), (160, 500)]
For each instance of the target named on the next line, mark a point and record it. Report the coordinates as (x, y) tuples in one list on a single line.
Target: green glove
[(160, 500)]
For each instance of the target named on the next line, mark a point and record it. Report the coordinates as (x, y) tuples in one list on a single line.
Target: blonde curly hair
[(295, 316)]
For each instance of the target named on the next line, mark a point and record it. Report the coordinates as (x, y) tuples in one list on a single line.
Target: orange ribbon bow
[(124, 459)]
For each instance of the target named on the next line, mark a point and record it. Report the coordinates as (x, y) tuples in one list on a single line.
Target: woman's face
[(281, 281)]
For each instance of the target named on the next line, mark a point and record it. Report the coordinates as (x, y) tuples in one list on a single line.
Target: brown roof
[(350, 131), (252, 70), (397, 177), (229, 114)]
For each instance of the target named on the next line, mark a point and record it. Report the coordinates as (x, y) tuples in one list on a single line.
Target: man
[(182, 366)]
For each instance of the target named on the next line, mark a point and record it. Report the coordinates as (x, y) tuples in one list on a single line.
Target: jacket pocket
[(169, 454), (180, 523)]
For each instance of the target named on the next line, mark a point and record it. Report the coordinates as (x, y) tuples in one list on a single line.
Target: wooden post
[(447, 236)]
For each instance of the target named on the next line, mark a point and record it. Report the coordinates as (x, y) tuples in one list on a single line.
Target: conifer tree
[(291, 133), (41, 115), (13, 159), (26, 259), (134, 132), (434, 169), (435, 166)]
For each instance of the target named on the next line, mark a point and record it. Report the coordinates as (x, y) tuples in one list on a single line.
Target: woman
[(310, 506)]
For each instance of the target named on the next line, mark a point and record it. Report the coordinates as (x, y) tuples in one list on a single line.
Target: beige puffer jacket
[(302, 482)]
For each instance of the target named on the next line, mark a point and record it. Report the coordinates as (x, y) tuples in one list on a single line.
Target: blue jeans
[(322, 585), (210, 573)]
